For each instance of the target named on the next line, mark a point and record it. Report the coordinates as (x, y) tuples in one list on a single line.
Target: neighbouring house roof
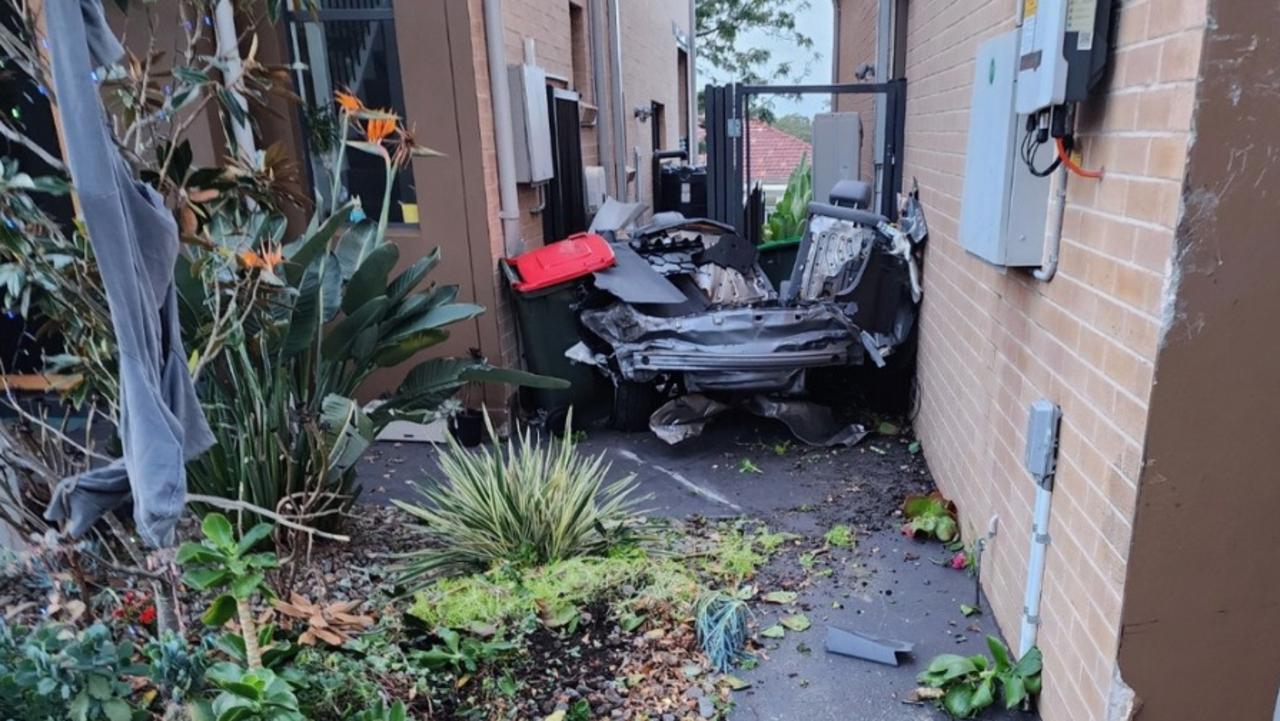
[(774, 152)]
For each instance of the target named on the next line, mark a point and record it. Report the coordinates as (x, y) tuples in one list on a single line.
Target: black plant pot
[(467, 428)]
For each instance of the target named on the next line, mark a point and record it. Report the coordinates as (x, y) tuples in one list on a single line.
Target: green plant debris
[(774, 631), (930, 516), (971, 683), (796, 622), (840, 536), (746, 465), (807, 560), (781, 597), (913, 448), (781, 448), (888, 429), (771, 542), (968, 610)]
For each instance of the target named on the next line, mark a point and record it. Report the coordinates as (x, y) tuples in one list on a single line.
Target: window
[(350, 44)]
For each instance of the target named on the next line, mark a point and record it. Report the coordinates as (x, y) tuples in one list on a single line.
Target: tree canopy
[(722, 23)]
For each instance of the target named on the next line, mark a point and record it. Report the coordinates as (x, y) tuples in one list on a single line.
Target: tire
[(633, 403)]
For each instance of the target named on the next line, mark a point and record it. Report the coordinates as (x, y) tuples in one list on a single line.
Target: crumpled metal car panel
[(736, 347)]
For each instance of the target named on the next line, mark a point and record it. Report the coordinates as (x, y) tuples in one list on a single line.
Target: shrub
[(53, 672), (532, 505), (971, 683)]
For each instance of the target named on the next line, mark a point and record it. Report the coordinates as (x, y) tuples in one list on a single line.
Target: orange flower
[(379, 129), (348, 101), (264, 261)]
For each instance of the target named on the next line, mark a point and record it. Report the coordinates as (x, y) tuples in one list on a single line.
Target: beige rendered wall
[(649, 73), (857, 29), (993, 340)]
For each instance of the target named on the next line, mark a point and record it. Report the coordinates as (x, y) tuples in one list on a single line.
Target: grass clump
[(529, 506)]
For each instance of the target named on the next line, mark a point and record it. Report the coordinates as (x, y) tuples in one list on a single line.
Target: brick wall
[(993, 340)]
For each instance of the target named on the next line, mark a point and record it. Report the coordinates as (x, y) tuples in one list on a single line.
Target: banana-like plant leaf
[(437, 317), (412, 276), (397, 352), (513, 377), (348, 430), (356, 245), (431, 381), (337, 342), (300, 254), (317, 303), (370, 279)]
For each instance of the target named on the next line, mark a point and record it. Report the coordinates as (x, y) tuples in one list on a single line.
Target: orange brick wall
[(993, 340)]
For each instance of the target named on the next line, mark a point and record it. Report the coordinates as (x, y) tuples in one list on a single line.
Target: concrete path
[(887, 585)]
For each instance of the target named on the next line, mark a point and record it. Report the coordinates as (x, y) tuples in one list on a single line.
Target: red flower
[(908, 531), (960, 561), (148, 616)]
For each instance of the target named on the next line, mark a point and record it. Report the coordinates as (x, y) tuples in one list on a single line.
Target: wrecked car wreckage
[(686, 315)]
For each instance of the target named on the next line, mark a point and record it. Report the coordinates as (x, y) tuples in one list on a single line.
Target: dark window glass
[(351, 45)]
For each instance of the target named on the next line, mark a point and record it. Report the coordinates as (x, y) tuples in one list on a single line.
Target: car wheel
[(633, 403)]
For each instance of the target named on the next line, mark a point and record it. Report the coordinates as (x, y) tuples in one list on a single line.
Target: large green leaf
[(220, 611), (317, 303), (348, 429), (356, 245), (301, 253), (337, 342), (412, 276), (513, 377), (396, 352), (370, 279), (439, 317)]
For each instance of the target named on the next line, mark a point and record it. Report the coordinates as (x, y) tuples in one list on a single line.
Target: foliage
[(53, 672), (796, 125), (251, 695), (532, 505), (931, 516), (971, 683), (458, 653), (220, 562), (721, 25), (840, 536), (325, 314), (721, 623), (175, 668), (746, 465), (792, 211), (554, 594), (381, 712)]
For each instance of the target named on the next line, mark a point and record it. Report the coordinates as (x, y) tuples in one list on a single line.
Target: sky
[(817, 22)]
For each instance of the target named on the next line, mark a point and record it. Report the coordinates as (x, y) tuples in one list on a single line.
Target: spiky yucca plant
[(531, 505)]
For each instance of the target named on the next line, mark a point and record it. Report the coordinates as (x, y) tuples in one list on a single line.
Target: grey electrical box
[(530, 124), (1004, 206), (1043, 421), (837, 151)]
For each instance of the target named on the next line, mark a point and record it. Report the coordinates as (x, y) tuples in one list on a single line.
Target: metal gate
[(729, 144)]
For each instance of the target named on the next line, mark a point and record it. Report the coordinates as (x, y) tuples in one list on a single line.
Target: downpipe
[(500, 96)]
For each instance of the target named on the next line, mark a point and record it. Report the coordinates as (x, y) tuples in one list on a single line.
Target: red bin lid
[(578, 255)]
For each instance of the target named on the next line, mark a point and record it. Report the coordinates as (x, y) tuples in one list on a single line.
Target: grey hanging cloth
[(135, 242)]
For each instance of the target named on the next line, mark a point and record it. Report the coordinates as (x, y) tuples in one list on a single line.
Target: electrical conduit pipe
[(1053, 227), (500, 95)]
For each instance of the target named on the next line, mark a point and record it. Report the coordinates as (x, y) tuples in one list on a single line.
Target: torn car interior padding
[(687, 417)]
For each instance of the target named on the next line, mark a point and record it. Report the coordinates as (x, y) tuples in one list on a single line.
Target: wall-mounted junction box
[(530, 124), (837, 151), (1003, 209), (1062, 51)]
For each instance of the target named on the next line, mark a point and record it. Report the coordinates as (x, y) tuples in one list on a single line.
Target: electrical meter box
[(531, 124), (1003, 208), (1062, 51)]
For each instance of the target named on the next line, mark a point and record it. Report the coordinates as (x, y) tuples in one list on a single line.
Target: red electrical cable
[(1071, 164)]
